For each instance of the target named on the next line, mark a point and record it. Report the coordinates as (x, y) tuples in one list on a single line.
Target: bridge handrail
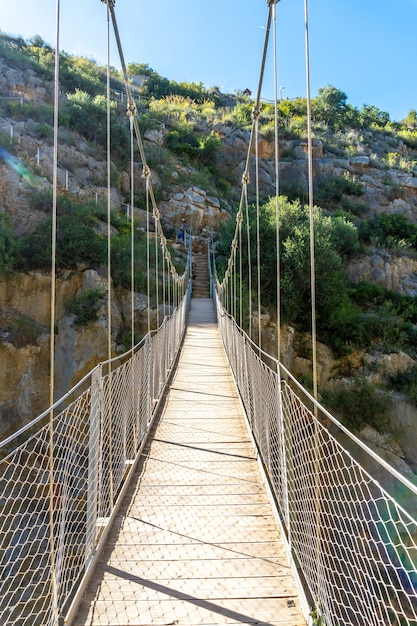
[(351, 542), (266, 357), (95, 442)]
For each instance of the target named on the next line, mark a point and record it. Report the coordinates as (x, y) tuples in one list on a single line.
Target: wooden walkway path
[(196, 541)]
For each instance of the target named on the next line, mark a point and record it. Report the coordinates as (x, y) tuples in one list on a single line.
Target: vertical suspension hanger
[(157, 269), (249, 258), (132, 112), (51, 495), (239, 218), (277, 227), (311, 208), (109, 290), (256, 113), (146, 175)]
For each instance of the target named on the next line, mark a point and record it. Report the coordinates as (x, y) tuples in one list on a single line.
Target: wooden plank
[(206, 589), (192, 611), (197, 542), (147, 551)]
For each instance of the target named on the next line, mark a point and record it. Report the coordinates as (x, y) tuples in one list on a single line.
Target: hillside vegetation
[(365, 193)]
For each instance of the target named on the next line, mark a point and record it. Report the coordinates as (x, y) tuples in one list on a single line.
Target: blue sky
[(366, 48)]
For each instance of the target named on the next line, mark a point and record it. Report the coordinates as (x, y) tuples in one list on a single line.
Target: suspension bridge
[(193, 480)]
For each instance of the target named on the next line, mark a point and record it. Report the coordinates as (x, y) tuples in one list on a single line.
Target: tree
[(330, 106), (335, 239), (370, 116), (411, 120), (140, 69)]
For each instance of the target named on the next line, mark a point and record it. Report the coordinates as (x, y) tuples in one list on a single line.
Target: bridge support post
[(93, 463)]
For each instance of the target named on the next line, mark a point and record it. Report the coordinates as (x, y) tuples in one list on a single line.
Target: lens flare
[(17, 166)]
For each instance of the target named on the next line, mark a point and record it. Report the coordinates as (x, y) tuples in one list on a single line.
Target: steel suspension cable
[(258, 234), (109, 291), (277, 227), (239, 219), (311, 207), (317, 461), (148, 260), (146, 170), (246, 177), (249, 259), (51, 488), (157, 271), (132, 233)]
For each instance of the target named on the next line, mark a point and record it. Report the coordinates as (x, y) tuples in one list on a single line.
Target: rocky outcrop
[(25, 84), (24, 383), (202, 212), (31, 294), (25, 369), (381, 267)]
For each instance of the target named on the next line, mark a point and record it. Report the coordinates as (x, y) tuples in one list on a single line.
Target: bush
[(358, 405), (19, 329), (335, 239), (76, 242), (329, 194), (85, 306), (88, 116), (389, 230), (406, 383), (8, 245)]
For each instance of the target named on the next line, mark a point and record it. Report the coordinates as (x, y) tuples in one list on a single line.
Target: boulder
[(386, 366), (362, 161)]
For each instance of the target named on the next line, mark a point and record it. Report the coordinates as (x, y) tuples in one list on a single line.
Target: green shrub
[(406, 383), (88, 116), (19, 329), (8, 245), (335, 239), (77, 242), (329, 194), (389, 230), (85, 306), (358, 405), (242, 114)]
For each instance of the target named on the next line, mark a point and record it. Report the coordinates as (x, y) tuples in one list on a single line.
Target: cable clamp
[(131, 108), (146, 171), (255, 113), (245, 178)]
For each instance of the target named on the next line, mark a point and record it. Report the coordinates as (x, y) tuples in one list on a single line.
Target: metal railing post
[(93, 464)]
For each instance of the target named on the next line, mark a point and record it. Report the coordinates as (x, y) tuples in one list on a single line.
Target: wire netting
[(350, 520), (59, 485)]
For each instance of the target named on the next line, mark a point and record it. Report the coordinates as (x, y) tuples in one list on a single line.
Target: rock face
[(398, 273), (202, 212), (25, 369)]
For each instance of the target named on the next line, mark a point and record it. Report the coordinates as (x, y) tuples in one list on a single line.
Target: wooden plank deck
[(196, 542)]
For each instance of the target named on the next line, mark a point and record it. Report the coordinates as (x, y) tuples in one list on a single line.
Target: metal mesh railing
[(350, 521), (59, 486)]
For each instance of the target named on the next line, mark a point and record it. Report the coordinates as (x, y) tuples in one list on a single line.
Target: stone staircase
[(201, 282)]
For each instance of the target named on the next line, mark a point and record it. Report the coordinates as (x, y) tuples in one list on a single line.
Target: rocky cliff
[(362, 155)]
